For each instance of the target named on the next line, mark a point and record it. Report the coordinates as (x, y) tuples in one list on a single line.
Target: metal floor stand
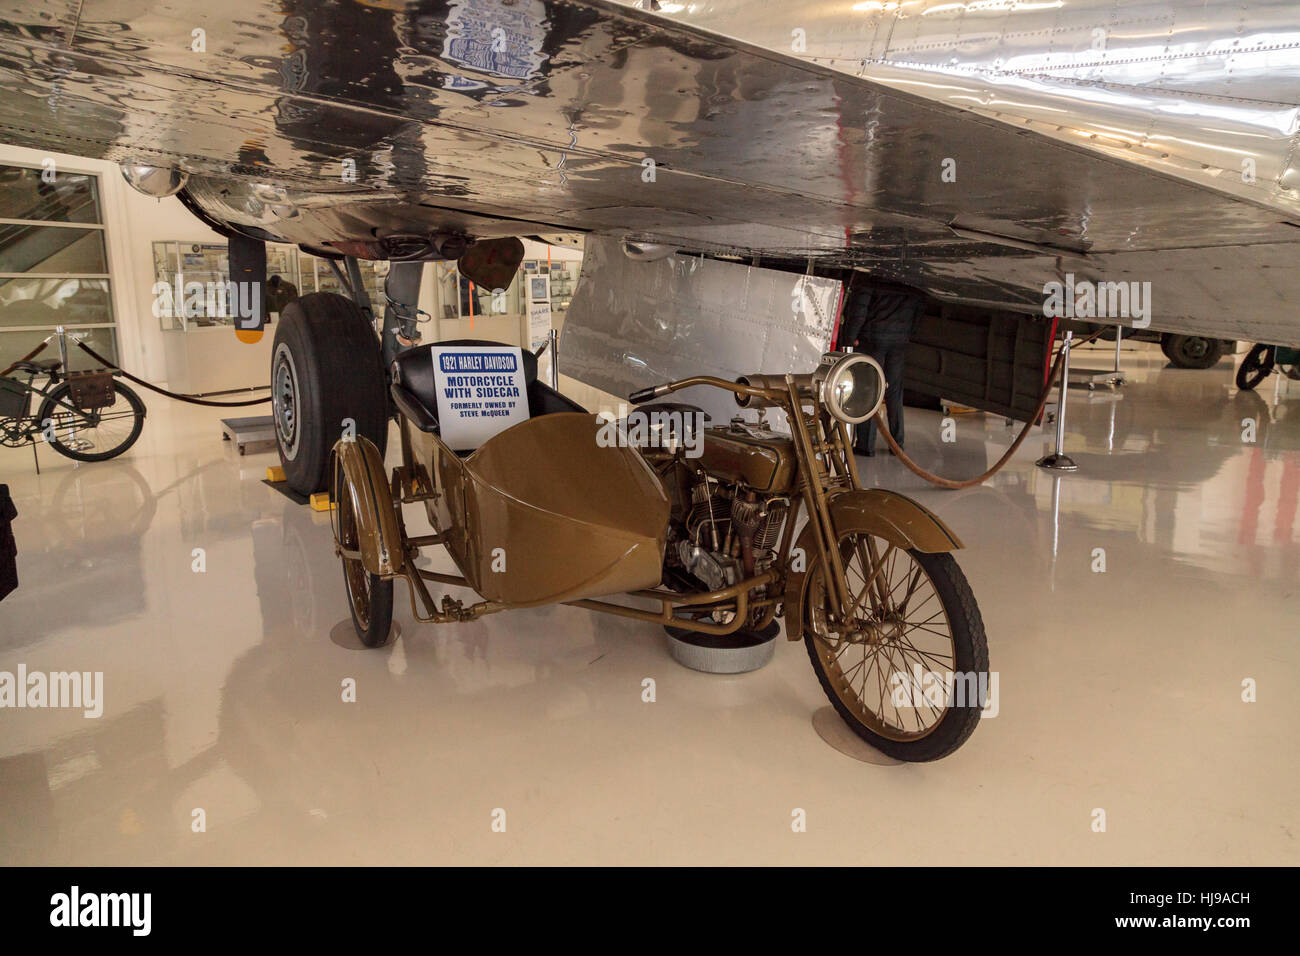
[(1059, 460), (1092, 377), (248, 431)]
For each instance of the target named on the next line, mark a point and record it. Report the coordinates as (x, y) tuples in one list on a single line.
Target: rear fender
[(896, 518), (371, 499)]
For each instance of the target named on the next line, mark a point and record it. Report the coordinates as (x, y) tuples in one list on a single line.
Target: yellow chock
[(320, 501), (275, 473)]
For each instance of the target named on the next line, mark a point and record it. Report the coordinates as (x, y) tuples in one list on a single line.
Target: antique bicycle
[(83, 415)]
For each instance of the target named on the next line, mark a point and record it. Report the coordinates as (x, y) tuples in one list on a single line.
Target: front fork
[(816, 451)]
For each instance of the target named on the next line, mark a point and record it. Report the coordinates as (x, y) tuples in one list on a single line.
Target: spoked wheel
[(1255, 367), (909, 671), (91, 435), (370, 597)]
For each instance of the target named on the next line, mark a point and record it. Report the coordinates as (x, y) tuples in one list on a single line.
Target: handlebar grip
[(644, 394)]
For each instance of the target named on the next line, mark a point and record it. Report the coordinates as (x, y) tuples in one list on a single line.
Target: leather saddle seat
[(414, 387)]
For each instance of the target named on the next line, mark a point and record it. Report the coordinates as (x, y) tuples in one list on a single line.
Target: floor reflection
[(223, 687)]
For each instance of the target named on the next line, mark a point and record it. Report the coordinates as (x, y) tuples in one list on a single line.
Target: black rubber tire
[(970, 652), (337, 373), (376, 631), (61, 391), (1192, 351), (375, 627), (1254, 368)]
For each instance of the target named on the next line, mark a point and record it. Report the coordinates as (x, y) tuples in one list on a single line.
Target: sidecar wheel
[(370, 597), (880, 672), (325, 368)]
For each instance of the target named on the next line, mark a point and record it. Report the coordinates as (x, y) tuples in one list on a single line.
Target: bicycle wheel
[(95, 435)]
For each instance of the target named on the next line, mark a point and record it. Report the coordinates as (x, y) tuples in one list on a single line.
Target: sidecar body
[(540, 512)]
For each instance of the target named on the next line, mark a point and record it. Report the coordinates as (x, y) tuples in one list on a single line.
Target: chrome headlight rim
[(836, 366)]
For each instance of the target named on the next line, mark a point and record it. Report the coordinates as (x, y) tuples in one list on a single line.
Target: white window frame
[(111, 204)]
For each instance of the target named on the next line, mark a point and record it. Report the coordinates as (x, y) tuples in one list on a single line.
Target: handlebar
[(643, 395)]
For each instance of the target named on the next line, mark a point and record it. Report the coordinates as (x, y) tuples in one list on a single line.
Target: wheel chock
[(320, 501), (275, 473)]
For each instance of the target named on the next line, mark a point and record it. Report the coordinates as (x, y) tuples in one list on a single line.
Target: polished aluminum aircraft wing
[(324, 122)]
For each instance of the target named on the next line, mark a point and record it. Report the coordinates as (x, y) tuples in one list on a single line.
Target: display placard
[(539, 324), (539, 319), (482, 391)]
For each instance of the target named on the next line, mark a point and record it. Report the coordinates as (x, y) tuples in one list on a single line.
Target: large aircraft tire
[(325, 369), (1192, 351)]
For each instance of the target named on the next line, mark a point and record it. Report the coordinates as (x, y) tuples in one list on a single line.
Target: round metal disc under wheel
[(735, 653)]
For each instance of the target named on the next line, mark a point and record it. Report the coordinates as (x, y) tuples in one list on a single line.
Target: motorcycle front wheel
[(909, 671)]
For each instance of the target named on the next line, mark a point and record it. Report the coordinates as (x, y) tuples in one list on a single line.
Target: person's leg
[(893, 365), (864, 435)]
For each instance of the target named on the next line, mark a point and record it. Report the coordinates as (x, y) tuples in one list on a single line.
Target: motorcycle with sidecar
[(757, 525)]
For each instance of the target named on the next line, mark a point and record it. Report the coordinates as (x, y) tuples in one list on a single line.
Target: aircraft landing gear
[(326, 369), (1191, 351)]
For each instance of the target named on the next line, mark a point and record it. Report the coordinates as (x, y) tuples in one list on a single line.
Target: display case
[(180, 304), (564, 279), (201, 351), (317, 276)]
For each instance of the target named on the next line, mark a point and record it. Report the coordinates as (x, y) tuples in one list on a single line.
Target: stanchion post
[(1059, 460), (553, 342)]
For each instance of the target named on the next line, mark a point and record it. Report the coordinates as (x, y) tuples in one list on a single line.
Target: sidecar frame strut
[(669, 601)]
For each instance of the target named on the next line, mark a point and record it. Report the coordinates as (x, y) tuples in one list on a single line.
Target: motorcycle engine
[(731, 532)]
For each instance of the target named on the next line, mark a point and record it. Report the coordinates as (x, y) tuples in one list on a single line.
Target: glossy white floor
[(1119, 690)]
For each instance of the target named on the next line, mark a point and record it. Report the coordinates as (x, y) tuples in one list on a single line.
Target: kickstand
[(35, 457)]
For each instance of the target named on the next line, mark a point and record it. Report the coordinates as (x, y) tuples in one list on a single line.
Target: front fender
[(371, 500), (896, 518)]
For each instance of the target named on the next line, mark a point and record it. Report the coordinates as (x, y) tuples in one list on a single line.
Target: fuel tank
[(751, 454)]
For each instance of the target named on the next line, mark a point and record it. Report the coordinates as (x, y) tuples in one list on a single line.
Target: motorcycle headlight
[(850, 385)]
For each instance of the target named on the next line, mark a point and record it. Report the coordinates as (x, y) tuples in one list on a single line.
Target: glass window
[(53, 262), (44, 195), (103, 340), (45, 302), (60, 250)]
